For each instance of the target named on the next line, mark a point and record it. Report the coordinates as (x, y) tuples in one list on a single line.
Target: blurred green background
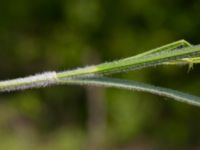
[(45, 35)]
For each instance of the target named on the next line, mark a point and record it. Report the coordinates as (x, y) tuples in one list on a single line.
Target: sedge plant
[(177, 53)]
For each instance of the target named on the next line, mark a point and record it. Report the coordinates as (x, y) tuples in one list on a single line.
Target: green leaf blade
[(135, 86)]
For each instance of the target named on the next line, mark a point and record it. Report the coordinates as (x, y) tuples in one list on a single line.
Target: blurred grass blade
[(135, 86)]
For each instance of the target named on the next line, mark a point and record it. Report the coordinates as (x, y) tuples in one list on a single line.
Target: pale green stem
[(133, 63)]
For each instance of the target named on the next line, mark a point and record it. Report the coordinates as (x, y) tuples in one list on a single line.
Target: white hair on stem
[(36, 81)]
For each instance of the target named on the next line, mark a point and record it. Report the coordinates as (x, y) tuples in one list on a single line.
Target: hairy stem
[(126, 64), (174, 53)]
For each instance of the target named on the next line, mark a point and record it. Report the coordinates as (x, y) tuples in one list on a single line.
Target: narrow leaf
[(134, 86)]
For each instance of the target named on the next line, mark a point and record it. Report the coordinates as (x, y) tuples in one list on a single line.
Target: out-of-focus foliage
[(37, 36)]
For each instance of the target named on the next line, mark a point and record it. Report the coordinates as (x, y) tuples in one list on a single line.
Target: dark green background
[(46, 35)]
